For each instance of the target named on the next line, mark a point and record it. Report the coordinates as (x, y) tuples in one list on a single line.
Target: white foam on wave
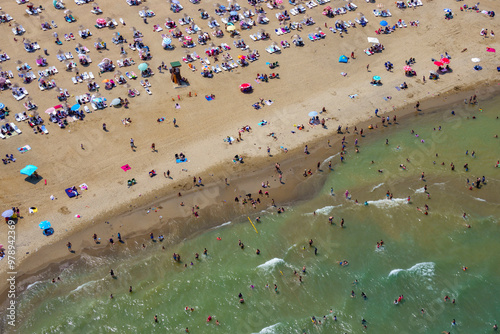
[(420, 190), (84, 285), (480, 199), (221, 225), (388, 203), (33, 284), (329, 158), (269, 329), (377, 186), (271, 263), (421, 269), (324, 210)]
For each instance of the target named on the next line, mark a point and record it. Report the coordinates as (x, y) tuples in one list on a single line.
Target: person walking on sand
[(69, 246), (368, 68), (132, 144), (153, 147), (417, 105)]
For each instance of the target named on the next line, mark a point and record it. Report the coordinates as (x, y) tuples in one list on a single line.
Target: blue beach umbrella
[(383, 23), (29, 170), (343, 59), (377, 78), (75, 107), (8, 213), (233, 13), (2, 105), (167, 41), (313, 114), (44, 225), (142, 67)]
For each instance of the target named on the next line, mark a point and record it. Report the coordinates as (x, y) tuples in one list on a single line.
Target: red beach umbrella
[(445, 60), (438, 63)]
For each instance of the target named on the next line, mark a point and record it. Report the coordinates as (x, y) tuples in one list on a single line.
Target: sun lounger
[(74, 80), (86, 108), (15, 128), (44, 129), (91, 75)]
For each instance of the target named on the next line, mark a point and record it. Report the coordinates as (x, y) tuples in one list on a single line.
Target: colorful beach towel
[(25, 148), (179, 161), (71, 193), (209, 98), (84, 186), (126, 167)]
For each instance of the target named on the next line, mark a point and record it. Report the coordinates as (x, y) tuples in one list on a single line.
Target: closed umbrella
[(29, 170), (44, 225), (142, 67), (8, 213), (75, 107), (313, 114)]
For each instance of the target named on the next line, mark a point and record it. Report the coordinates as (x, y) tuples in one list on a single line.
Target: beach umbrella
[(476, 60), (105, 81), (75, 107), (447, 10), (44, 225), (230, 28), (59, 106), (29, 170), (142, 67), (445, 60), (2, 81), (54, 3), (376, 78), (50, 110), (407, 68), (343, 59), (313, 114), (100, 21), (1, 104), (67, 11), (245, 86), (167, 41), (383, 23), (438, 63), (188, 38), (233, 13), (373, 40), (8, 213), (115, 102)]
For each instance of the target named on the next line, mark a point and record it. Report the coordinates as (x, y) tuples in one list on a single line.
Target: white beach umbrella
[(476, 60)]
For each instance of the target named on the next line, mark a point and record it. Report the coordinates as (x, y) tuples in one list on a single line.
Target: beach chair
[(15, 128), (91, 75), (74, 80), (87, 110)]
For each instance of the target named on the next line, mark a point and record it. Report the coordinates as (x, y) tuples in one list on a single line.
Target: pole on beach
[(253, 225)]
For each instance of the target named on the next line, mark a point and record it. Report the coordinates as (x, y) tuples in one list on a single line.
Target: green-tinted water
[(422, 256)]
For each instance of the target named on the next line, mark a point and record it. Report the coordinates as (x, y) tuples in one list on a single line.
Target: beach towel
[(177, 106), (25, 148), (126, 167), (71, 193), (353, 96), (161, 119), (179, 161), (268, 102), (262, 123), (257, 80), (397, 88), (490, 50), (84, 186), (229, 140), (209, 98), (33, 210)]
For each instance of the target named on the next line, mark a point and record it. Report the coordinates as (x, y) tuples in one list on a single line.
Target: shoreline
[(242, 180)]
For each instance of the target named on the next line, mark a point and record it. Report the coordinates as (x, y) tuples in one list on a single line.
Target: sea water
[(422, 257)]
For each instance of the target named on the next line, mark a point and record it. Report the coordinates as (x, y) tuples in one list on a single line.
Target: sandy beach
[(310, 79)]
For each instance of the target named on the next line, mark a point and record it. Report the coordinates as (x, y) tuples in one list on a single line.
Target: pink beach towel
[(126, 167), (490, 50)]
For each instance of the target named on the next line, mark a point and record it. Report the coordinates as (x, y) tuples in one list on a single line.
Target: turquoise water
[(422, 256)]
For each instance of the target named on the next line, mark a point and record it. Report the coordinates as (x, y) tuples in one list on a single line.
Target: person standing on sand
[(153, 147), (69, 246), (132, 144), (368, 68), (417, 105)]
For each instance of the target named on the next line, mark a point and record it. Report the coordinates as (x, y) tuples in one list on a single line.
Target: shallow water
[(422, 256)]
